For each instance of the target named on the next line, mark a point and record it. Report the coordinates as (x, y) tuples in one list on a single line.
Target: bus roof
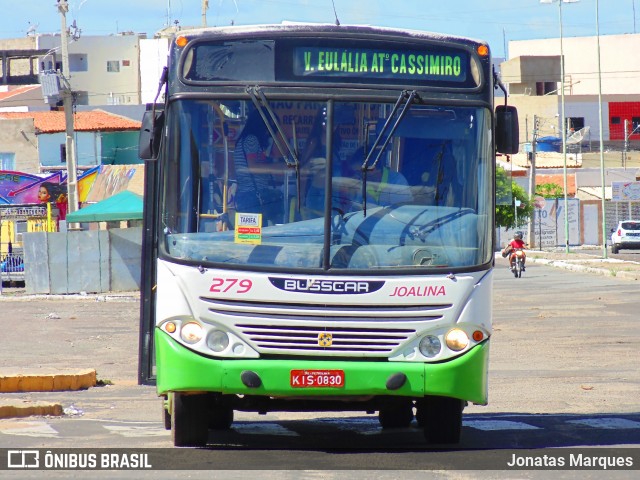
[(325, 28)]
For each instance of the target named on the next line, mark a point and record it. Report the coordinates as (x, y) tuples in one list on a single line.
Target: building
[(36, 141), (532, 73)]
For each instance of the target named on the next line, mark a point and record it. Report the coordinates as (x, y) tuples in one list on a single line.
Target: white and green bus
[(319, 226)]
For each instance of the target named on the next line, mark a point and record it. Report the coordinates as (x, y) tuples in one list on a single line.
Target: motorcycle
[(516, 260)]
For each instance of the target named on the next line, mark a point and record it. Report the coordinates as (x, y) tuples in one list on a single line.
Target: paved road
[(563, 374)]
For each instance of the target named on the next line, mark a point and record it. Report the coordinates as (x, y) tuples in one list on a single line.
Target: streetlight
[(604, 221), (563, 126)]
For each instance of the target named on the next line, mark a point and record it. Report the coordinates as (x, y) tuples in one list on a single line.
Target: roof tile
[(95, 120)]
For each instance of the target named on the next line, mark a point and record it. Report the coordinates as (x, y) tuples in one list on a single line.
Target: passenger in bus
[(210, 192), (255, 172), (313, 166)]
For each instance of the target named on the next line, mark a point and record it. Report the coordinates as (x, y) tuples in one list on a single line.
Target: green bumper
[(180, 369)]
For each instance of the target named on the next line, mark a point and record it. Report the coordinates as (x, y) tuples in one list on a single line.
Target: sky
[(495, 21)]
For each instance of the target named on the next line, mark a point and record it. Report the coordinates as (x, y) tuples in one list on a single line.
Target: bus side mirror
[(507, 130), (150, 134)]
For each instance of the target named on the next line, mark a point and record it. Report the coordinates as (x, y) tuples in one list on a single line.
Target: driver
[(516, 244)]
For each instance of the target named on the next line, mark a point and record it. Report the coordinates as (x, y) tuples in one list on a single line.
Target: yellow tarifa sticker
[(248, 228)]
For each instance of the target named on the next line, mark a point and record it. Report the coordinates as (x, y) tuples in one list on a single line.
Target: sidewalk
[(578, 261), (61, 350)]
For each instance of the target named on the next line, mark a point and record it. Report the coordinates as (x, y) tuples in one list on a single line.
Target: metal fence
[(12, 267)]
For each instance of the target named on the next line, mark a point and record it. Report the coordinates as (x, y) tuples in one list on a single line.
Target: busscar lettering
[(328, 286), (377, 62)]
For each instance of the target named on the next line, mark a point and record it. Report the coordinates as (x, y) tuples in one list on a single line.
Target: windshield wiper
[(291, 160), (424, 231), (408, 99)]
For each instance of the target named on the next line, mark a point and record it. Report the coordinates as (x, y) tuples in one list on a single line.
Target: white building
[(533, 75)]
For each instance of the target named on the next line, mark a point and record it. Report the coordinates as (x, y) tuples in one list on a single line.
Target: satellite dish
[(32, 29)]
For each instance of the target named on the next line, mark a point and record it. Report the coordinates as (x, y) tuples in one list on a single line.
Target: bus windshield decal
[(363, 63)]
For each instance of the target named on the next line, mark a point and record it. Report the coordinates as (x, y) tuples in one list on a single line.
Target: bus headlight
[(456, 339), (430, 346), (191, 332), (217, 340)]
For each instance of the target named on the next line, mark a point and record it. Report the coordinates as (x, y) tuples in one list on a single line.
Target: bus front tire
[(441, 418), (220, 418), (187, 426)]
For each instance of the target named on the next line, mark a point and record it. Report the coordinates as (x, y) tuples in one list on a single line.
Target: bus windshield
[(327, 185)]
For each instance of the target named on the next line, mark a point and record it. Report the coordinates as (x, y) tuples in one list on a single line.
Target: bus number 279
[(235, 285)]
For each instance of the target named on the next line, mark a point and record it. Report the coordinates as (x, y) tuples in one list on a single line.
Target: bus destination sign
[(367, 64)]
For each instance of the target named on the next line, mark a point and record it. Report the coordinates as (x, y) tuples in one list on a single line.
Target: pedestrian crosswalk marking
[(136, 431), (360, 425), (607, 423), (28, 429), (498, 425)]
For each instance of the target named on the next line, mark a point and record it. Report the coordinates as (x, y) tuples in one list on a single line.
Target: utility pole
[(532, 180), (67, 103), (205, 6)]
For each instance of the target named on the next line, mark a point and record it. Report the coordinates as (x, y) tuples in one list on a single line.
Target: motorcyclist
[(516, 244)]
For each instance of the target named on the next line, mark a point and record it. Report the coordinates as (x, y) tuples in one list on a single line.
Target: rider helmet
[(517, 236)]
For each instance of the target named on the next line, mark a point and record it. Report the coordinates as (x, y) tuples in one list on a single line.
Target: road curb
[(49, 382), (13, 410)]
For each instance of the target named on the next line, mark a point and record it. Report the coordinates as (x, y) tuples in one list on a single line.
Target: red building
[(621, 112)]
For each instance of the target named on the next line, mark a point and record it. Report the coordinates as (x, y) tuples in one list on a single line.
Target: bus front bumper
[(180, 369)]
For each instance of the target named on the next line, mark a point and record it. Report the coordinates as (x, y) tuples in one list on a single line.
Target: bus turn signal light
[(478, 336)]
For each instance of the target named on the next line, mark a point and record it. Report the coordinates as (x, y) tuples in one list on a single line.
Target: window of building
[(635, 126), (63, 153), (615, 120), (113, 66), (81, 97), (49, 64), (546, 88), (78, 63), (21, 227), (576, 123), (7, 161)]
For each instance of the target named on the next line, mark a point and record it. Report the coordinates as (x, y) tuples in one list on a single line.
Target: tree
[(505, 214), (550, 190)]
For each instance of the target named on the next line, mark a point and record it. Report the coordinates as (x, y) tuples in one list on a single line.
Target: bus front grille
[(271, 338), (285, 328)]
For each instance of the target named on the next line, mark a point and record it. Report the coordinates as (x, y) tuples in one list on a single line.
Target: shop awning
[(123, 206)]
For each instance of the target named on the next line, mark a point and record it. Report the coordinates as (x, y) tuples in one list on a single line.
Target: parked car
[(625, 236)]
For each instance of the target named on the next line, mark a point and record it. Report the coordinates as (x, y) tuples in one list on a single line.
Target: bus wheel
[(189, 426), (398, 415), (441, 418), (220, 418)]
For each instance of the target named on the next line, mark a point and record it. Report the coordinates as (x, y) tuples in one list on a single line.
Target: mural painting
[(22, 193)]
